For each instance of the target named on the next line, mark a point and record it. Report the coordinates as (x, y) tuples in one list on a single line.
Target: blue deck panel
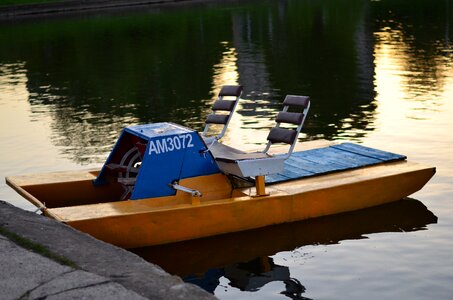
[(345, 156), (279, 178), (369, 152), (291, 167), (311, 165), (331, 155), (290, 173)]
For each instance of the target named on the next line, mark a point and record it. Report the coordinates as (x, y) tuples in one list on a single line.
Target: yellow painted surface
[(58, 189), (71, 198), (260, 186), (138, 223), (54, 177)]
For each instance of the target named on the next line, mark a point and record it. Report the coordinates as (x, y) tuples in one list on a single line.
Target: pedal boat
[(164, 183)]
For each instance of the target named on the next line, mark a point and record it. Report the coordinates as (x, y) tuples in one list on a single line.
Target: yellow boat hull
[(70, 198)]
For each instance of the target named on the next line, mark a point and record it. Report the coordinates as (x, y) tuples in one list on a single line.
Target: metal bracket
[(176, 186), (42, 208)]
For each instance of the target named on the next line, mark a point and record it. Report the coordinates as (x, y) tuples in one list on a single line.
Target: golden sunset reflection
[(16, 112), (414, 96), (405, 77), (226, 73)]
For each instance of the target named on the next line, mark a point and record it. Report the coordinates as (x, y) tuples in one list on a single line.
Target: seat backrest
[(293, 120), (223, 109)]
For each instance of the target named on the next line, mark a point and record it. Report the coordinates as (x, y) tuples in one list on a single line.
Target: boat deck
[(333, 158)]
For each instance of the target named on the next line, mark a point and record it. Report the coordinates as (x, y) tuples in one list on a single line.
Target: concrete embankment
[(42, 258), (71, 6)]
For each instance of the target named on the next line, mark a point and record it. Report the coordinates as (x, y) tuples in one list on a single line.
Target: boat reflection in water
[(243, 257)]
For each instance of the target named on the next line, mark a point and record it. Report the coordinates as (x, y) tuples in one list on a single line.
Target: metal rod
[(194, 193)]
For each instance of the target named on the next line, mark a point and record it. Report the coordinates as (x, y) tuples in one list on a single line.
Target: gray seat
[(222, 111), (289, 123)]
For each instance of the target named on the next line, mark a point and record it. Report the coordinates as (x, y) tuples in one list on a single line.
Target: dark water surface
[(379, 73)]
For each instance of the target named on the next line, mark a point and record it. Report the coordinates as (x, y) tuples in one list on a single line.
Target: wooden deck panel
[(333, 158), (53, 177), (370, 152)]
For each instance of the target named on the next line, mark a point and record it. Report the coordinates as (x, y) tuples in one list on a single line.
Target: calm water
[(380, 73)]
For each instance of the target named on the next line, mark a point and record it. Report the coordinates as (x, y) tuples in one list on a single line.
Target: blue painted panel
[(288, 174), (335, 158), (156, 172), (170, 158), (172, 152), (291, 166), (313, 165), (198, 162), (294, 168), (274, 178), (369, 152)]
